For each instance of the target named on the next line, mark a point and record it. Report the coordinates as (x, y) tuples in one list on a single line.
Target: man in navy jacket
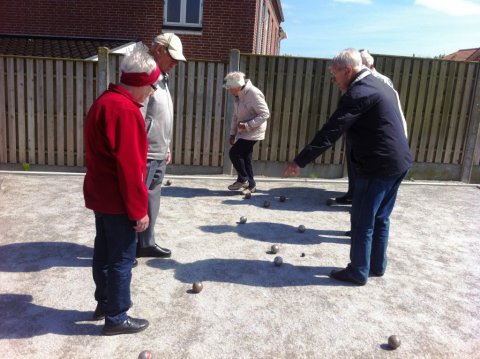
[(368, 112)]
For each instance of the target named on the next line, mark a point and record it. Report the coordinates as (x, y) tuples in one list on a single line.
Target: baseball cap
[(173, 45)]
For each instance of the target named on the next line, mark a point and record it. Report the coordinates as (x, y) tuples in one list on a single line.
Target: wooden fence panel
[(434, 123), (179, 123), (463, 118), (69, 116), (209, 101), (50, 95), (285, 116), (305, 106), (199, 102), (40, 111), (79, 111), (60, 110), (12, 117), (21, 126), (295, 115), (187, 144), (445, 117), (455, 114), (266, 148), (3, 115), (219, 120), (31, 125)]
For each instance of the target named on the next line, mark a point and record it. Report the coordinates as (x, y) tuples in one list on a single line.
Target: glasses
[(153, 87)]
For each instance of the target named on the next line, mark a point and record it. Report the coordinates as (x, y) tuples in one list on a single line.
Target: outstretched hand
[(291, 170)]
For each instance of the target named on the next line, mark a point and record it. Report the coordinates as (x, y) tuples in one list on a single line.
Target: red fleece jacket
[(116, 152)]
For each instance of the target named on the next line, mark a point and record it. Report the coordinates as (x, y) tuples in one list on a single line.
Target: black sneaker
[(344, 200), (129, 326), (238, 185)]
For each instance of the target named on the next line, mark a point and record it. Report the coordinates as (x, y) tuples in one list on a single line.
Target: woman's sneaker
[(238, 185), (250, 189)]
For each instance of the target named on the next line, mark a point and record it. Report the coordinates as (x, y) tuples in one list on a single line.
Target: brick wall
[(227, 24)]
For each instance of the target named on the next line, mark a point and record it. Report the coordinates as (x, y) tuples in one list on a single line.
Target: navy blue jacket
[(369, 114)]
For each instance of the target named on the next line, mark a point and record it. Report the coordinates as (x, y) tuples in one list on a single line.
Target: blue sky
[(424, 28)]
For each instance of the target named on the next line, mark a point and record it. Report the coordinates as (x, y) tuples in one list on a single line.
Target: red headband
[(139, 79)]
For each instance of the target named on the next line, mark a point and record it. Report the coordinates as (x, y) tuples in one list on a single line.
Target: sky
[(422, 28)]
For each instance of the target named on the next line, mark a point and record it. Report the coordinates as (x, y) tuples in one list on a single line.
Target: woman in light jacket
[(248, 126)]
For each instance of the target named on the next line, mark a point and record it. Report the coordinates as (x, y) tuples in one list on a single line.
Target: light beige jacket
[(250, 108)]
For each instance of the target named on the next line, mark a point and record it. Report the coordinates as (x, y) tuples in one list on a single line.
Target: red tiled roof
[(465, 55), (73, 48)]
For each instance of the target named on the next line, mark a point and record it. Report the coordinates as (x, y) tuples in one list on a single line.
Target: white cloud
[(364, 2), (452, 7)]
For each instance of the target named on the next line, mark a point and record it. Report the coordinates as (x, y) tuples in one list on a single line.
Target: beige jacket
[(250, 108)]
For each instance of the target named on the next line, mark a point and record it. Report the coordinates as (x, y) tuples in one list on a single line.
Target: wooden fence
[(43, 103)]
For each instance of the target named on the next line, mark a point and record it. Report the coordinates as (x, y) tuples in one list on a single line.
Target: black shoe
[(99, 312), (344, 200), (344, 276), (129, 326), (374, 274), (135, 263), (155, 251)]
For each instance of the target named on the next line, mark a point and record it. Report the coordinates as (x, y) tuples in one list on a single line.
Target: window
[(185, 14)]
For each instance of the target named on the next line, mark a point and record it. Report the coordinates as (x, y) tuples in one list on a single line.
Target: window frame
[(182, 24)]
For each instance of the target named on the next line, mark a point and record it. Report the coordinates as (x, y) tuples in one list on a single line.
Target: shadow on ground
[(247, 272), (38, 256), (312, 199), (281, 233), (23, 319)]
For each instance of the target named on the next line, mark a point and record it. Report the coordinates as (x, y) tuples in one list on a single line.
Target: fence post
[(472, 143), (103, 69), (233, 65)]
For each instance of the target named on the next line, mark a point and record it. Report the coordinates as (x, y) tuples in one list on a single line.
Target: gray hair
[(234, 79), (367, 59), (348, 57), (138, 60)]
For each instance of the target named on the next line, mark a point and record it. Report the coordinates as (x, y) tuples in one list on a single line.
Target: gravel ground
[(249, 308)]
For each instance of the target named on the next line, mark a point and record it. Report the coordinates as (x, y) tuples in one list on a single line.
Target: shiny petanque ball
[(266, 204), (146, 354), (394, 341), (197, 287), (248, 195), (302, 255), (283, 198), (243, 219), (275, 248), (168, 183), (301, 228), (278, 261)]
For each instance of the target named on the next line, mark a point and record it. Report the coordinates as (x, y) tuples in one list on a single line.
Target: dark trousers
[(155, 173), (373, 202), (351, 172), (113, 256), (241, 157)]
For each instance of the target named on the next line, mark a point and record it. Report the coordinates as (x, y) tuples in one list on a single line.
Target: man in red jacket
[(114, 187)]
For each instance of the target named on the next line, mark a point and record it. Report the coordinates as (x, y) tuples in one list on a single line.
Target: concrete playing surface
[(248, 308)]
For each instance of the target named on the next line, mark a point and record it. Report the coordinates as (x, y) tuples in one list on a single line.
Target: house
[(209, 29), (465, 55)]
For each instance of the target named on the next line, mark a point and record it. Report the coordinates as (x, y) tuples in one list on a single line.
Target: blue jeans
[(113, 255), (373, 202)]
